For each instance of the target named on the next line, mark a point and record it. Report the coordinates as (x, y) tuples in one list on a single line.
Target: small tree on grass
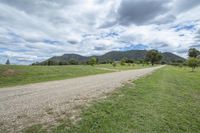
[(123, 62), (153, 56), (7, 62), (50, 63), (114, 64), (193, 63), (92, 61), (73, 62)]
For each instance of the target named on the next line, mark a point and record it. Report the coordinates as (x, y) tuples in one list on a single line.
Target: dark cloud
[(140, 12), (31, 6), (72, 41), (108, 24), (99, 48), (185, 5), (164, 45), (195, 46), (182, 51), (164, 19), (27, 5), (197, 39)]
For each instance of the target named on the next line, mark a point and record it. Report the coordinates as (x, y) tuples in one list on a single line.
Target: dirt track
[(48, 102)]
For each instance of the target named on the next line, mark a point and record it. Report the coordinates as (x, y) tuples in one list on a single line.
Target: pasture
[(166, 101), (11, 75)]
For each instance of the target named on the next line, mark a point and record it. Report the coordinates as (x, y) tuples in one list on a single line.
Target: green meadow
[(165, 102), (11, 75)]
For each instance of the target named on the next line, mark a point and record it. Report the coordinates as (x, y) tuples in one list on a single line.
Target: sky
[(34, 30)]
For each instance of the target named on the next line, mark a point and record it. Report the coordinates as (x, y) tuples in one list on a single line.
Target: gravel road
[(48, 102)]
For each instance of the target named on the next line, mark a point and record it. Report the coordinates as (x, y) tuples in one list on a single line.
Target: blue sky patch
[(134, 47), (184, 27)]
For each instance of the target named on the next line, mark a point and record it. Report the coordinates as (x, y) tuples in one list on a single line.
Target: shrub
[(92, 61), (153, 56), (114, 64), (193, 63), (73, 62), (8, 62), (122, 62)]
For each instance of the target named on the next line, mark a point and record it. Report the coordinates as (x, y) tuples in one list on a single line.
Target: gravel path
[(48, 102)]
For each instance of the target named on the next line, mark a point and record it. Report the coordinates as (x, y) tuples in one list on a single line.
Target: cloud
[(36, 30), (99, 48), (185, 5), (140, 12), (163, 19)]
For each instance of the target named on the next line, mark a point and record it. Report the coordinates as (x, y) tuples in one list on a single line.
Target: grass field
[(167, 101), (11, 75), (126, 67)]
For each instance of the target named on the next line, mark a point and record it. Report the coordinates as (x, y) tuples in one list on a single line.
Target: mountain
[(68, 57), (118, 55), (111, 56), (170, 57)]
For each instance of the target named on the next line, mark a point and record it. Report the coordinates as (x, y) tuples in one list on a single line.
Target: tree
[(193, 63), (114, 64), (50, 63), (73, 62), (92, 61), (35, 63), (153, 56), (60, 63), (122, 62), (8, 62), (97, 60), (193, 52), (129, 61)]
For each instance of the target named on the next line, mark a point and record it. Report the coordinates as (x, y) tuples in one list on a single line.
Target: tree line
[(194, 58), (152, 57)]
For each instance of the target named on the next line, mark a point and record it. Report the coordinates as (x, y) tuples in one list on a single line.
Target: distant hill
[(170, 57), (68, 57), (111, 56), (118, 55)]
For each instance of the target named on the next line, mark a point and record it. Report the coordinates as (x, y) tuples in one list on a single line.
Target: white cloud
[(36, 30)]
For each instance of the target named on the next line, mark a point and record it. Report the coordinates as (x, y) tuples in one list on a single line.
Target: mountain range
[(135, 55)]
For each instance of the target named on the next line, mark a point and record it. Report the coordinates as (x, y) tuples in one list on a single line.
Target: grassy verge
[(18, 75), (166, 101)]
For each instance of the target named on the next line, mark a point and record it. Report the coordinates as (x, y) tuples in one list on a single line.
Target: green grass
[(11, 75), (126, 67), (18, 75), (168, 101)]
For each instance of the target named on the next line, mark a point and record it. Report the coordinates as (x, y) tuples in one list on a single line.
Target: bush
[(92, 61), (153, 56), (73, 62), (114, 64), (123, 62), (193, 63), (129, 61)]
